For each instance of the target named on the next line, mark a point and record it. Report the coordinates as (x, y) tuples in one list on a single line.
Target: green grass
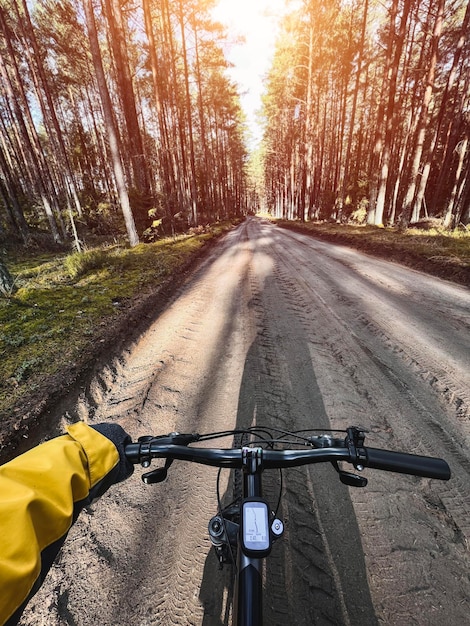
[(63, 301)]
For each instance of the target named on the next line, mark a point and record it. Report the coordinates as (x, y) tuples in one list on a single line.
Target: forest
[(115, 112), (368, 112), (120, 116)]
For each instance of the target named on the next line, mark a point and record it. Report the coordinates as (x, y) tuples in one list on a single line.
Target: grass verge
[(68, 309)]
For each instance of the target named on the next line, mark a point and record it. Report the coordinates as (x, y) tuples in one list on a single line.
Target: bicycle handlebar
[(373, 458), (428, 467)]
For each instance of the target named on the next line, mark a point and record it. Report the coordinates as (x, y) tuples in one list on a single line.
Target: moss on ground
[(64, 302)]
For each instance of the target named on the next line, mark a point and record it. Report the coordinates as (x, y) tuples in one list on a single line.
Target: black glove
[(120, 438)]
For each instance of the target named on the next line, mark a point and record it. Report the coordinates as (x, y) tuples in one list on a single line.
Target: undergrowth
[(62, 302)]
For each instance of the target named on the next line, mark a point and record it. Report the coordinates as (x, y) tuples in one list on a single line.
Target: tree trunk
[(7, 284), (357, 85), (463, 216), (194, 208), (167, 173), (49, 111), (464, 36), (206, 191), (458, 186), (32, 154), (395, 50), (178, 127), (12, 204), (110, 125), (408, 213), (127, 95)]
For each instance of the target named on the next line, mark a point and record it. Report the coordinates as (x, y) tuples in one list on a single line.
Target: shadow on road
[(316, 573)]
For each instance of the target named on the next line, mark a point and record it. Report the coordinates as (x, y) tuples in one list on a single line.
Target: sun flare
[(256, 21)]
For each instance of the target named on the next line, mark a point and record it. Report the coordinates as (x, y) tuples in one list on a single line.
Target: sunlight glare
[(257, 22)]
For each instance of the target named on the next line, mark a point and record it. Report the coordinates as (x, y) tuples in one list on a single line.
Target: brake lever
[(177, 439), (348, 478), (157, 475), (355, 443)]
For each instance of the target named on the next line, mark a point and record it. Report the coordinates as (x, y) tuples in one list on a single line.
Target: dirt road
[(279, 328)]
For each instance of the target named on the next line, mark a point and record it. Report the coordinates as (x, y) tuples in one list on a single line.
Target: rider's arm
[(41, 495)]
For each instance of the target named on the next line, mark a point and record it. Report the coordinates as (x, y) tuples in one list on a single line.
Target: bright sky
[(257, 21)]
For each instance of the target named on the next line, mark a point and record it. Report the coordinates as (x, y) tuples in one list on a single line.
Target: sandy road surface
[(279, 328)]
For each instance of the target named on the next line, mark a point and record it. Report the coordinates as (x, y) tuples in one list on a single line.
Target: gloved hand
[(120, 438)]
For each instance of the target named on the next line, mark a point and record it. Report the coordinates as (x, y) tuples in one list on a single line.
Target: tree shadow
[(316, 573)]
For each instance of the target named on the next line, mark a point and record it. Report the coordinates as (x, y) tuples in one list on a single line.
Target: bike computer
[(255, 531)]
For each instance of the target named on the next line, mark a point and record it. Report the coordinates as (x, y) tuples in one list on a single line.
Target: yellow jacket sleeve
[(41, 494)]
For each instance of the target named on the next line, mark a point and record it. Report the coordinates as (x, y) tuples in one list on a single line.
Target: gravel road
[(277, 328)]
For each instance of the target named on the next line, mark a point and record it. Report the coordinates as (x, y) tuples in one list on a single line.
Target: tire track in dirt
[(435, 436), (392, 396), (313, 590), (181, 375), (404, 338), (196, 403)]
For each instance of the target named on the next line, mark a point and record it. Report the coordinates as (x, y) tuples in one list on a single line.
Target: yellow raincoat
[(41, 495)]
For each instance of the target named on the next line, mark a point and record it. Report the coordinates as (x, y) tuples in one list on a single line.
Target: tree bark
[(194, 207), (32, 154), (357, 85), (7, 284), (408, 213), (110, 125), (126, 92), (463, 38), (166, 159), (12, 204), (395, 50), (49, 111)]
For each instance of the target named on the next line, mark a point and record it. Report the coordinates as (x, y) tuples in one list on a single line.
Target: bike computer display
[(255, 531)]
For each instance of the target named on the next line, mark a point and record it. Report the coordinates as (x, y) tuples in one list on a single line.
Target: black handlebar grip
[(407, 464)]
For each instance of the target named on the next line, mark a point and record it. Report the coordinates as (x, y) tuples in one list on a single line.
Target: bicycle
[(242, 533)]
